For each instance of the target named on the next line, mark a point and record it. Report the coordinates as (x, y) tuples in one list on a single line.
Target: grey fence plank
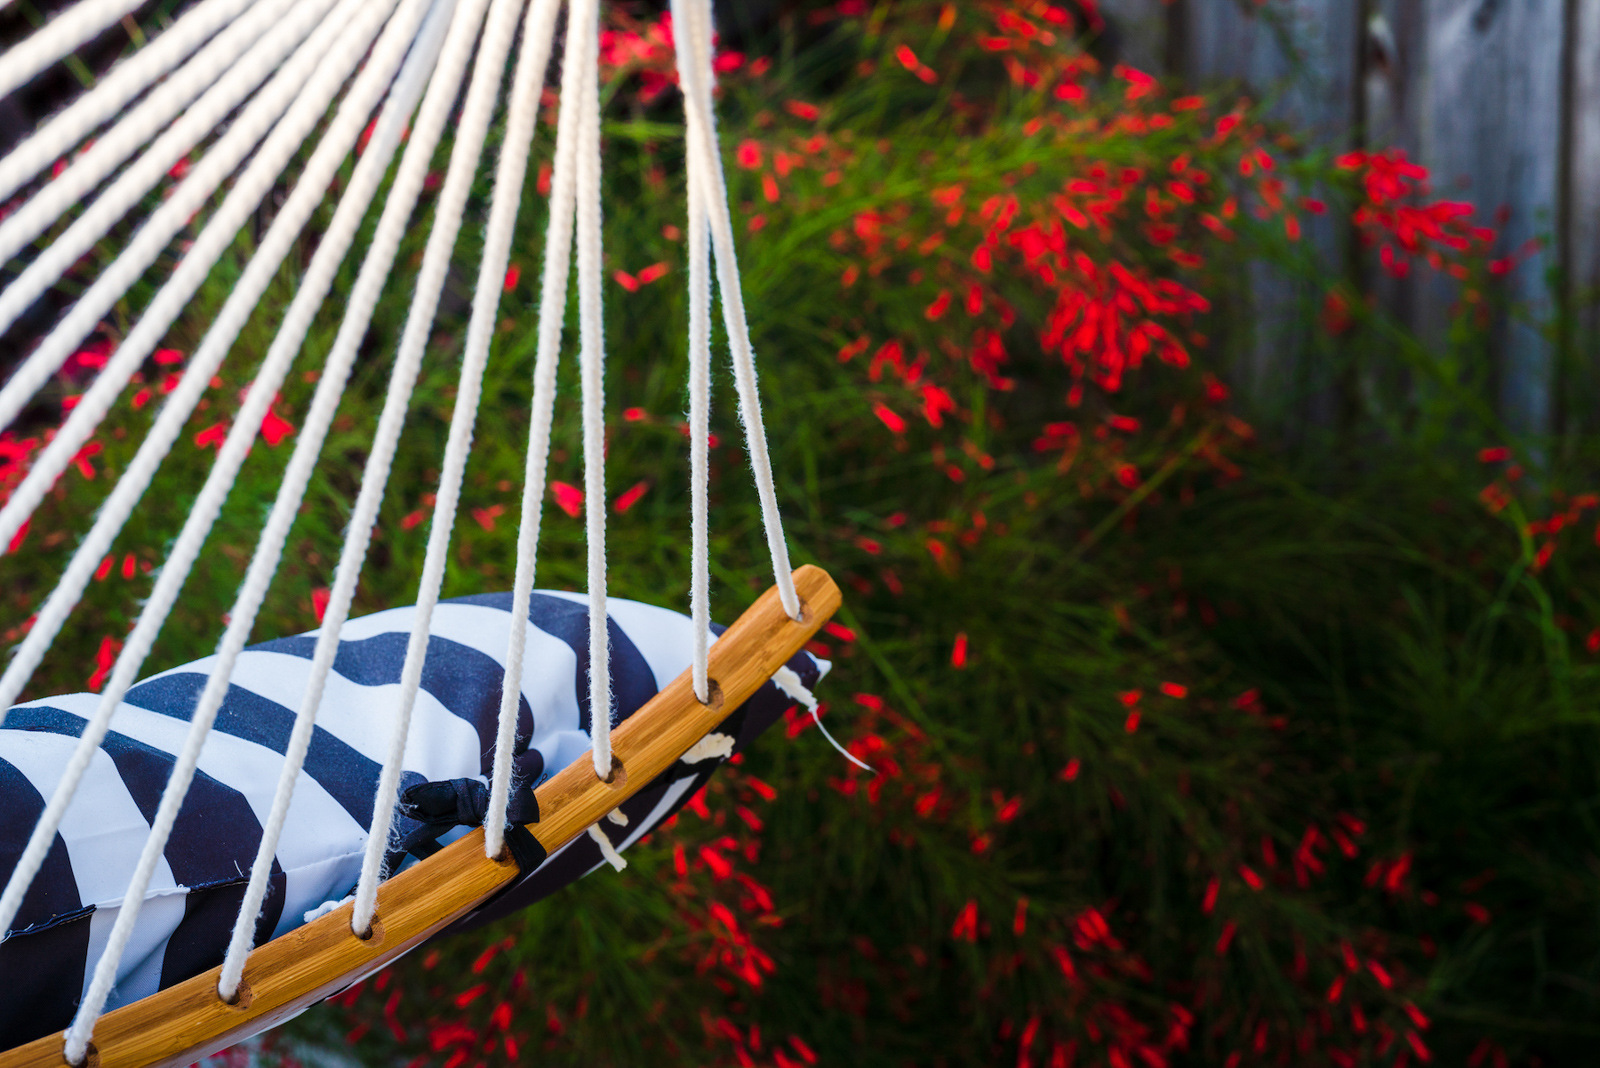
[(1583, 189), (1137, 33), (1303, 57), (1500, 99), (1490, 130)]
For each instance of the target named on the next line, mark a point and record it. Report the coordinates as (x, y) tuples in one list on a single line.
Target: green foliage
[(1186, 751)]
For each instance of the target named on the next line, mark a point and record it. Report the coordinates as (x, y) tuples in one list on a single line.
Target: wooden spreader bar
[(183, 1023)]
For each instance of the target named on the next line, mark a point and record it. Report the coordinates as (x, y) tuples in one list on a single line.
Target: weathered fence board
[(1582, 192), (1500, 99)]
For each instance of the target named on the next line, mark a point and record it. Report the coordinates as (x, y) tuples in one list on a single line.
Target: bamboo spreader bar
[(183, 1023)]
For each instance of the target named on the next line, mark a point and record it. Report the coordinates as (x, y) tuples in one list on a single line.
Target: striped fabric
[(189, 910)]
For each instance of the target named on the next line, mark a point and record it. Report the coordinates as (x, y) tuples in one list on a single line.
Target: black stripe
[(55, 889), (201, 938), (466, 681), (632, 681), (341, 770), (216, 835), (43, 972)]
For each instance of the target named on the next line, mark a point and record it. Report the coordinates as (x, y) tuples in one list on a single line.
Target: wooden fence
[(1500, 99)]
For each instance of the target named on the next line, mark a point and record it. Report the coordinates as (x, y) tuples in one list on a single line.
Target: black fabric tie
[(439, 807)]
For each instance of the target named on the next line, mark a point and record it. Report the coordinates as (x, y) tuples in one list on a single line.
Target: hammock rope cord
[(699, 363), (280, 64), (295, 31), (59, 37), (127, 80), (169, 424)]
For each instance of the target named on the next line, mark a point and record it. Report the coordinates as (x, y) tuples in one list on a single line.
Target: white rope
[(219, 232), (247, 292), (361, 302), (585, 20), (93, 1003), (242, 135), (786, 680), (552, 316), (113, 93), (57, 38), (470, 132), (526, 88), (699, 384), (364, 183), (697, 78), (152, 115), (363, 298)]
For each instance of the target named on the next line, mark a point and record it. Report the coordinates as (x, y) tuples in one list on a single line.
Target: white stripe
[(245, 767), (443, 745), (103, 828), (139, 974)]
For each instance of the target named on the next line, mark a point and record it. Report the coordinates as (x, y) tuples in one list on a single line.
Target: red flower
[(487, 516), (630, 497), (889, 418), (104, 659), (966, 925), (958, 652), (212, 435), (569, 498), (274, 428)]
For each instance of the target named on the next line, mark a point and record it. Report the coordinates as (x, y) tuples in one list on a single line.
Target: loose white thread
[(617, 816), (697, 76), (607, 850), (124, 83), (314, 915), (552, 312), (787, 681), (257, 275), (473, 126), (584, 20)]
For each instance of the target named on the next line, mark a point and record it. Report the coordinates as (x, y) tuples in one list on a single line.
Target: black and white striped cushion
[(189, 910)]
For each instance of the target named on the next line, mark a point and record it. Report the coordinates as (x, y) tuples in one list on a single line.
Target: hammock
[(446, 715)]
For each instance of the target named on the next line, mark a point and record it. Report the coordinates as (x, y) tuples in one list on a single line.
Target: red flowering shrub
[(1159, 773)]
